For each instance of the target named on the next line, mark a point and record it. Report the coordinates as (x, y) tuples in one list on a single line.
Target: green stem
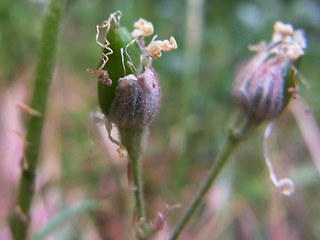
[(138, 187), (132, 139), (235, 136), (20, 222), (138, 191)]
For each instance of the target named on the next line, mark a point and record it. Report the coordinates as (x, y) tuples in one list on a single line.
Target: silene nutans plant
[(50, 176), (129, 96)]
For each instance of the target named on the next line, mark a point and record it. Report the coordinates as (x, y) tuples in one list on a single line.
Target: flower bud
[(137, 100), (260, 92), (262, 88)]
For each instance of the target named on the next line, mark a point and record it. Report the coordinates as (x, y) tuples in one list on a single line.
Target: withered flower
[(260, 87)]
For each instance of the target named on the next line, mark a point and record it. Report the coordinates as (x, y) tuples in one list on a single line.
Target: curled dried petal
[(291, 42), (299, 37), (281, 31), (142, 28), (106, 50), (286, 186), (155, 47)]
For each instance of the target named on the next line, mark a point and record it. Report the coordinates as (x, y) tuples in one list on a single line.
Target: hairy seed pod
[(137, 100), (260, 88)]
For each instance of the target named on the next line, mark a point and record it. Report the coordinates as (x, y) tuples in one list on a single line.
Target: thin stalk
[(235, 136), (20, 221), (138, 187), (132, 139)]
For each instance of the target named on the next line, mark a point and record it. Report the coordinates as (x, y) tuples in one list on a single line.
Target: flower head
[(259, 88)]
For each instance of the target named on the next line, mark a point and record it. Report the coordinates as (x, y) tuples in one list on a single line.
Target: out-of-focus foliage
[(20, 23), (189, 129)]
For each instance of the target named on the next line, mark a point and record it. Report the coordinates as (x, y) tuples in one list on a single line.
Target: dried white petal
[(299, 37), (293, 51), (283, 28), (286, 186), (156, 46), (289, 42), (105, 45), (142, 28), (258, 47), (99, 119)]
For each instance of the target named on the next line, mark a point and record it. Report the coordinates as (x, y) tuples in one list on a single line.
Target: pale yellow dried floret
[(282, 32), (293, 51), (299, 38), (283, 28), (142, 28), (155, 47), (291, 43)]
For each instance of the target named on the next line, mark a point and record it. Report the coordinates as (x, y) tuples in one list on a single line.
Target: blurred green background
[(196, 81)]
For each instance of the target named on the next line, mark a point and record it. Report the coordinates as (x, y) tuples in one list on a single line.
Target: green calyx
[(117, 64)]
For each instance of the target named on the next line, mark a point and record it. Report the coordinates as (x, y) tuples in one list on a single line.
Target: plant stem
[(20, 222), (138, 191), (132, 139), (234, 137), (138, 187)]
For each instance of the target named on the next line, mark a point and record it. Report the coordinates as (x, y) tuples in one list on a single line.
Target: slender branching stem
[(20, 219), (234, 137)]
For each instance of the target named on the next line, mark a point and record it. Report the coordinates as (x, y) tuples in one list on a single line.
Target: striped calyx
[(260, 91), (137, 100), (263, 87)]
